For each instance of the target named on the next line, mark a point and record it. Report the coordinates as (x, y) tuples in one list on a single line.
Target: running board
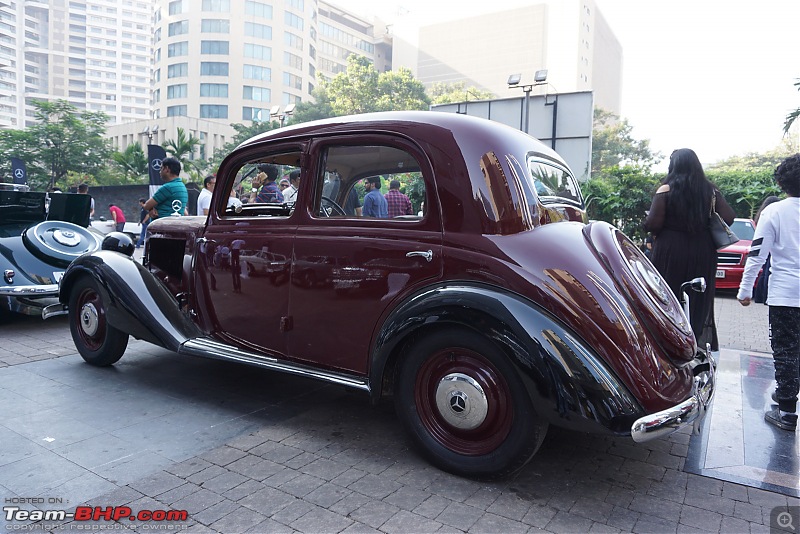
[(210, 348)]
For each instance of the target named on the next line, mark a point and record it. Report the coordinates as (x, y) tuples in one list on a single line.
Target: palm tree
[(791, 117), (132, 161), (182, 148)]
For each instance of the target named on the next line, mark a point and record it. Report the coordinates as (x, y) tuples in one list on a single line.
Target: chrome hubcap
[(461, 401), (89, 320)]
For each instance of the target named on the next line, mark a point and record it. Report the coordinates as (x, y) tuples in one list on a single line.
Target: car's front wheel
[(98, 342), (466, 407)]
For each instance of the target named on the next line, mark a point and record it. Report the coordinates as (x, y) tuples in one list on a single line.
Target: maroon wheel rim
[(492, 430), (91, 320)]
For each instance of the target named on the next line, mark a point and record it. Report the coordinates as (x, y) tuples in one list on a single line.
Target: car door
[(350, 270), (243, 262)]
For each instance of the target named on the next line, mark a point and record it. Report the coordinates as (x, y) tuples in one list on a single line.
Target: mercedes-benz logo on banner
[(156, 164), (19, 173)]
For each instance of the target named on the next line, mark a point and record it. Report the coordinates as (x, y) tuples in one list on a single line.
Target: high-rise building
[(95, 54), (568, 38), (218, 62)]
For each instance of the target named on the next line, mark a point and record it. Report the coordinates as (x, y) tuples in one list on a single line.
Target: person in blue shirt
[(375, 204), (172, 197)]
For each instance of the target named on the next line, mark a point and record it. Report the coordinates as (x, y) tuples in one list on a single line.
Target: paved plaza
[(246, 450)]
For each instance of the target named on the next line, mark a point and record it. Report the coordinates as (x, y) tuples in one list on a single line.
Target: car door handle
[(428, 255)]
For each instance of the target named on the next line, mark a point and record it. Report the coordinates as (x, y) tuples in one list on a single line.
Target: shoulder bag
[(721, 233)]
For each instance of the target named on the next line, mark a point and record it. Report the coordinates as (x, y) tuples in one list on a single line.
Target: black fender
[(569, 384), (137, 302)]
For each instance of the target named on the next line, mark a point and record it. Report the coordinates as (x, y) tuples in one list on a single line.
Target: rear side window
[(341, 189)]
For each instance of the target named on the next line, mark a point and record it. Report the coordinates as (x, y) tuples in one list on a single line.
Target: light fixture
[(514, 79), (289, 109), (275, 111), (540, 76)]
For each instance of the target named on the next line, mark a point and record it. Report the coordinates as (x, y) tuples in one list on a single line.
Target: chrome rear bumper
[(690, 411)]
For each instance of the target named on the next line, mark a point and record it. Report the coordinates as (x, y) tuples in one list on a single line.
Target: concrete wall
[(127, 198)]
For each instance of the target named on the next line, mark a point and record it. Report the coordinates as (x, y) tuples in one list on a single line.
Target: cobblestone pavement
[(318, 459)]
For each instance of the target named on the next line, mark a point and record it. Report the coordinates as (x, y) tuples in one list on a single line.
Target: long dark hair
[(689, 200), (767, 201)]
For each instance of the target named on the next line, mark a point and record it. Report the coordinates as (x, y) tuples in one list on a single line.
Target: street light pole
[(540, 78)]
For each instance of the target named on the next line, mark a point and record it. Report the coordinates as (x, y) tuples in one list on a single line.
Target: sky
[(716, 76)]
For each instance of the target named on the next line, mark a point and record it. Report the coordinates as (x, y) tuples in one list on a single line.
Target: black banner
[(18, 169), (155, 153)]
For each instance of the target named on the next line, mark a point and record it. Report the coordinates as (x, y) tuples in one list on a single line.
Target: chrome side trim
[(45, 290), (210, 348), (690, 411), (54, 310)]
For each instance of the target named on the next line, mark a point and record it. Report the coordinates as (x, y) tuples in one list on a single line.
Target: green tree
[(621, 196), (243, 133), (747, 180), (21, 144), (399, 90), (132, 162), (63, 139), (791, 117), (320, 108), (613, 145), (444, 93), (356, 89), (182, 148)]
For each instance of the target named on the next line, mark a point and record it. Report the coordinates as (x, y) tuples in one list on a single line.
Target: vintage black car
[(40, 234), (489, 314)]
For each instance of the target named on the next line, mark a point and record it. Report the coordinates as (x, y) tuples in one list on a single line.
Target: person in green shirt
[(172, 197)]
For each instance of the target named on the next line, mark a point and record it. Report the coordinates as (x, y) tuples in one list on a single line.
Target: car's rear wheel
[(98, 342), (464, 404)]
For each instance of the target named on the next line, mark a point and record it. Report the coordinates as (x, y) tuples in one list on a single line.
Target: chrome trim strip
[(210, 348), (45, 290), (690, 411), (54, 310)]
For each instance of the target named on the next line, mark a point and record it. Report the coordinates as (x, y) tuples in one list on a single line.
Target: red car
[(731, 259), (493, 313)]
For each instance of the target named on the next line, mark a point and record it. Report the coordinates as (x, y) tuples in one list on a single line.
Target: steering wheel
[(328, 208)]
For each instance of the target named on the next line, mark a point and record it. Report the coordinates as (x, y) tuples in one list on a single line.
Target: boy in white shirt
[(778, 235)]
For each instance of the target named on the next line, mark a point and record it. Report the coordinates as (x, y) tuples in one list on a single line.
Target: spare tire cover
[(59, 242)]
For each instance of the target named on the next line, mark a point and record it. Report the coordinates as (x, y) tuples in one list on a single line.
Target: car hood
[(740, 247)]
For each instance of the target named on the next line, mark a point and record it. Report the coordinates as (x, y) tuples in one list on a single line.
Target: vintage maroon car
[(493, 313)]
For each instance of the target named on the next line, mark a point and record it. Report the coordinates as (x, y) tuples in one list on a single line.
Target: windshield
[(743, 228)]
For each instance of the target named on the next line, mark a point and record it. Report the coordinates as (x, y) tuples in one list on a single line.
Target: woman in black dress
[(683, 248)]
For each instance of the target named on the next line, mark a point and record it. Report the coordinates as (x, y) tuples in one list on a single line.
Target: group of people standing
[(683, 249)]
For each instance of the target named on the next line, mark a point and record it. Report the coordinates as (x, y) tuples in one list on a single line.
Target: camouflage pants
[(784, 333)]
